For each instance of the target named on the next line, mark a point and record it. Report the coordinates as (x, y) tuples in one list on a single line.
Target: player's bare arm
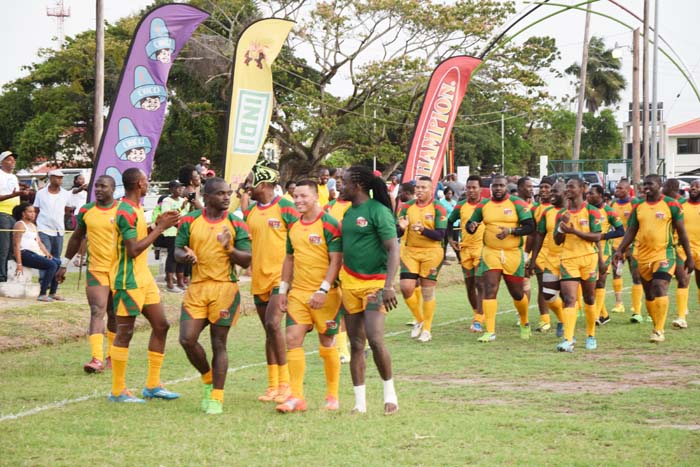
[(392, 247)]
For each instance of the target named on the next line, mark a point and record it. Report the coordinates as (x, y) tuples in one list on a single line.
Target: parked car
[(591, 177)]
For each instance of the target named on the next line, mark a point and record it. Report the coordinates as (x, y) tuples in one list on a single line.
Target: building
[(683, 148)]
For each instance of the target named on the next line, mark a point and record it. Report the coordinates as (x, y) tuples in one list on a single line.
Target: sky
[(27, 28)]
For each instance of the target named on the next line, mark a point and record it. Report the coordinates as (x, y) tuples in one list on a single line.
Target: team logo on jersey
[(315, 239), (224, 314), (508, 211), (361, 222), (331, 324), (274, 223), (583, 222), (626, 213), (429, 217), (660, 215)]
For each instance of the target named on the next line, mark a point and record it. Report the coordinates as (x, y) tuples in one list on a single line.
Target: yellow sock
[(217, 395), (428, 314), (545, 318), (617, 284), (591, 316), (522, 305), (580, 303), (569, 315), (331, 365), (651, 309), (661, 313), (413, 303), (557, 306), (96, 341), (682, 302), (490, 307), (600, 302), (296, 361), (120, 356), (341, 342), (637, 292), (273, 380), (207, 378), (110, 340), (155, 361), (283, 371), (479, 318)]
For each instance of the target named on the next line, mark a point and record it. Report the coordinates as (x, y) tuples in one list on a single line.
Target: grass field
[(510, 402)]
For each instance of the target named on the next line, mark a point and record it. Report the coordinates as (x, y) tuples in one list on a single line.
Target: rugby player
[(671, 189)]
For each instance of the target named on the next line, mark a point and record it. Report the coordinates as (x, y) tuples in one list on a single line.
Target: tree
[(604, 82)]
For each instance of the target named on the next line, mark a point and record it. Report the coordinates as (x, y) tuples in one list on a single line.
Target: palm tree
[(604, 82)]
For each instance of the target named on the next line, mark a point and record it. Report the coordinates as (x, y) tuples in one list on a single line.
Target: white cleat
[(425, 336), (416, 331), (680, 323)]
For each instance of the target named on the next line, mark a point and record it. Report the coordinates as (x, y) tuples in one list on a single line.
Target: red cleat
[(108, 363), (94, 366)]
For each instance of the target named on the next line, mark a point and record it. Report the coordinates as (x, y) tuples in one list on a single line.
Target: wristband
[(284, 288), (65, 262), (325, 287)]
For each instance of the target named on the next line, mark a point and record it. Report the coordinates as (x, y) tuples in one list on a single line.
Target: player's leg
[(588, 289), (270, 356), (637, 291), (355, 323), (659, 289), (219, 366), (327, 322), (374, 326), (111, 329), (569, 291), (298, 324), (683, 281), (120, 357), (491, 280), (411, 293), (98, 297), (617, 288), (190, 330), (550, 292), (601, 311), (427, 290), (273, 329), (517, 287), (545, 323), (154, 312)]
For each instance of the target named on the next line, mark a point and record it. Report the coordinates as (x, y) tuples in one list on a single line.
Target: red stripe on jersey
[(331, 228), (289, 210), (441, 209), (240, 225), (365, 277), (129, 216)]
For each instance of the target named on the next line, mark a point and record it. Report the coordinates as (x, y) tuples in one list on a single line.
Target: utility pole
[(503, 142), (98, 118), (645, 90), (653, 156), (636, 169), (582, 89)]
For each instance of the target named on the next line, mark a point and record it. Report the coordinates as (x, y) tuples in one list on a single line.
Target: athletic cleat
[(410, 323), (565, 346), (269, 396), (525, 332), (284, 392), (657, 336), (618, 308), (205, 397), (543, 326), (332, 404), (214, 407), (159, 392), (127, 397), (476, 327), (416, 331), (648, 319), (108, 363), (591, 343), (680, 323), (487, 337), (94, 366), (425, 336), (292, 404), (345, 358), (560, 329), (601, 321), (636, 318)]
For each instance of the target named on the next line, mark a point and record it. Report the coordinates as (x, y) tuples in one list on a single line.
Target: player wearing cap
[(10, 193), (214, 241), (268, 219)]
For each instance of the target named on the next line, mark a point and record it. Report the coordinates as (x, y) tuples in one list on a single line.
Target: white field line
[(95, 394)]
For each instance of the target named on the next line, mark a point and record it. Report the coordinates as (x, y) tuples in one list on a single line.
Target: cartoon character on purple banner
[(118, 183), (131, 146), (147, 95), (161, 46)]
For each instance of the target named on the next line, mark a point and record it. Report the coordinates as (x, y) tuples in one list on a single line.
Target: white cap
[(7, 154), (55, 173)]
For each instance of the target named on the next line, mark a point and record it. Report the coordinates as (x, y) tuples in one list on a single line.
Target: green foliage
[(601, 139)]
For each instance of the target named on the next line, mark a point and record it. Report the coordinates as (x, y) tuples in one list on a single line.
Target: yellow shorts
[(217, 301), (326, 319), (647, 269), (264, 298), (359, 300), (470, 258), (583, 268), (680, 255), (511, 262), (425, 262), (130, 302), (548, 265), (96, 278)]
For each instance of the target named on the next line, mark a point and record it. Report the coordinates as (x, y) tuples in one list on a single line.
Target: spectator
[(456, 186), (203, 166), (10, 192), (323, 189), (174, 202), (31, 252), (289, 190), (192, 182)]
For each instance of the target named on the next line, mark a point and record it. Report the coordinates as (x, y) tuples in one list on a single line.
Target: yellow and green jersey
[(609, 220), (507, 213), (585, 219), (129, 273), (98, 222), (463, 212), (337, 208), (311, 243), (654, 240), (546, 225), (364, 229), (432, 215), (199, 233), (691, 214)]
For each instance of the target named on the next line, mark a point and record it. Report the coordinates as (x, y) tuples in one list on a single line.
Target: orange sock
[(591, 316), (217, 395), (637, 292), (545, 318), (96, 341), (661, 313), (283, 374), (110, 340), (600, 303), (296, 360), (413, 303), (155, 361), (331, 366), (273, 380), (120, 357), (522, 305), (557, 306), (490, 307), (207, 378), (682, 302), (428, 314), (651, 309), (569, 315), (617, 284)]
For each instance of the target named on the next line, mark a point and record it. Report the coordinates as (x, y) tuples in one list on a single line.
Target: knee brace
[(550, 295)]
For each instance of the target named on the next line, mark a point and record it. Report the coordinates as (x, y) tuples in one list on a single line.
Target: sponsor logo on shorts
[(315, 239), (372, 298), (664, 264), (507, 211), (274, 223), (331, 324), (361, 222), (433, 271), (224, 314), (660, 215)]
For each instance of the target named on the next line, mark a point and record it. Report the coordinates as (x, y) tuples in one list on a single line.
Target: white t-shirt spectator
[(8, 184), (77, 201), (52, 208)]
